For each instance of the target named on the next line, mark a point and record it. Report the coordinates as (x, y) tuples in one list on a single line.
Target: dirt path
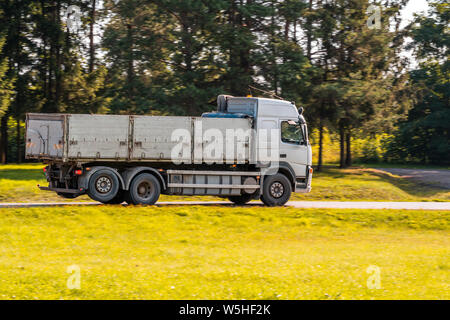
[(433, 177), (295, 204)]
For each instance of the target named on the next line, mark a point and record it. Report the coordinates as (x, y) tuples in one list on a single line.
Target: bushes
[(14, 150), (365, 149)]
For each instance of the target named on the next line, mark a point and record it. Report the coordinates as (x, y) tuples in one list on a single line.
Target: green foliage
[(371, 149), (172, 57), (6, 83), (425, 136), (82, 90)]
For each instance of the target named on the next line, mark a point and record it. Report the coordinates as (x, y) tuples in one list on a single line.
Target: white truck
[(250, 148)]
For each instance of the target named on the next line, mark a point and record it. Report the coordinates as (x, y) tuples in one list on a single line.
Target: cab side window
[(291, 132)]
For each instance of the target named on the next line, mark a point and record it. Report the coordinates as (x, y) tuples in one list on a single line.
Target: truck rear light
[(78, 172), (45, 169)]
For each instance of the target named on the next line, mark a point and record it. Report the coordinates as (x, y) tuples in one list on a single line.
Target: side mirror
[(300, 111)]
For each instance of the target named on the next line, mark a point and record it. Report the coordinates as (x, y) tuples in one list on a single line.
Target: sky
[(413, 6)]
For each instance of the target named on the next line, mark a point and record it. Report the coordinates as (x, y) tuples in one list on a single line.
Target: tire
[(241, 200), (145, 189), (277, 190), (103, 186), (67, 195), (118, 199)]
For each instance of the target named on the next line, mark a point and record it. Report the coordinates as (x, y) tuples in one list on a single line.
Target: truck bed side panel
[(45, 136), (98, 137), (153, 136), (236, 138)]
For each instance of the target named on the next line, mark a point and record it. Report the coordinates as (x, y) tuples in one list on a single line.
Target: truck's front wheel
[(276, 190), (103, 186), (144, 189)]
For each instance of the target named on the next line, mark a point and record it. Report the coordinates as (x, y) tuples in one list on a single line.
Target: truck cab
[(295, 153)]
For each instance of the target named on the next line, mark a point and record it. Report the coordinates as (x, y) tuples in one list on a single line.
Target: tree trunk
[(44, 60), (232, 78), (130, 69), (274, 50), (4, 139), (319, 166), (245, 22), (58, 71), (309, 32), (51, 68), (286, 30), (91, 38), (342, 145), (18, 142), (348, 159)]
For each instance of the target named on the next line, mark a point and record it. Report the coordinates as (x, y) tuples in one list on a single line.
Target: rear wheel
[(277, 190), (241, 199), (144, 189), (103, 186)]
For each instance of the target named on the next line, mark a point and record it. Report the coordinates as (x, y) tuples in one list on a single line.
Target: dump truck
[(249, 148)]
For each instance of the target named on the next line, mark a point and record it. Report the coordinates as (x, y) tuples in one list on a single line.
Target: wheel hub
[(144, 190), (103, 185), (276, 190)]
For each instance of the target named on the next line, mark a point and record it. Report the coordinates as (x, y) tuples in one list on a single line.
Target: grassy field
[(365, 184), (18, 184), (189, 252)]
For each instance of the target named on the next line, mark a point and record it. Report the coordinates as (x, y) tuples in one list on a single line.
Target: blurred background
[(373, 76)]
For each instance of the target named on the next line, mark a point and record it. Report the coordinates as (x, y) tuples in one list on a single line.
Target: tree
[(424, 136), (6, 92), (16, 51), (193, 80), (136, 42), (359, 61)]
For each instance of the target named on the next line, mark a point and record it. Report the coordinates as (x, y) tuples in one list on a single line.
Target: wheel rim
[(276, 190), (103, 184), (144, 190)]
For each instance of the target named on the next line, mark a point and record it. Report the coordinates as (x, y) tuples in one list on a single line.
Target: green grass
[(401, 166), (194, 252), (360, 184), (18, 184)]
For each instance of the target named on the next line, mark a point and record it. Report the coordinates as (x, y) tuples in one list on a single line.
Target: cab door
[(294, 146)]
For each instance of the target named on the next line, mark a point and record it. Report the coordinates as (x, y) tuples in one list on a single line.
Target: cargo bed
[(87, 138)]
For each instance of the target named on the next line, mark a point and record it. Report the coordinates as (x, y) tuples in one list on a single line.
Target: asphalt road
[(295, 204), (433, 177)]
